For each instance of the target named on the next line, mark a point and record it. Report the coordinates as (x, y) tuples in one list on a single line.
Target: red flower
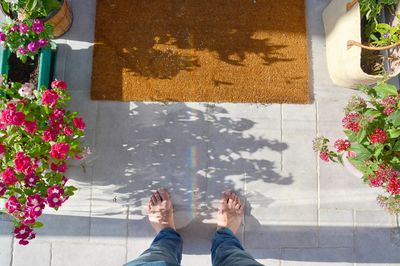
[(12, 205), (352, 121), (50, 98), (62, 168), (9, 177), (30, 127), (393, 186), (379, 136), (59, 150), (3, 189), (324, 156), (12, 117), (68, 131), (23, 163), (79, 123), (25, 233), (59, 84), (49, 135), (31, 180), (342, 145)]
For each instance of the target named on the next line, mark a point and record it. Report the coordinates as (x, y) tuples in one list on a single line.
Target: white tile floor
[(299, 212)]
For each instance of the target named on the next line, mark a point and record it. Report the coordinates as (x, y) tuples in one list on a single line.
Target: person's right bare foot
[(230, 212)]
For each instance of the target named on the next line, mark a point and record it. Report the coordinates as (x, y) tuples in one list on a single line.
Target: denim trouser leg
[(166, 250), (226, 250)]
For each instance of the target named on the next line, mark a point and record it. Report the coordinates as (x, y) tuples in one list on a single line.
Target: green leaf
[(395, 118), (362, 152), (383, 90), (396, 146), (361, 135), (37, 224), (394, 133), (378, 150)]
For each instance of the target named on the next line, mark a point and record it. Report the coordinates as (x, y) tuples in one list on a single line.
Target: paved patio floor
[(298, 211)]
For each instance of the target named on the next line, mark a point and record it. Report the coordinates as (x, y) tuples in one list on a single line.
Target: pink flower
[(24, 233), (342, 145), (59, 150), (3, 189), (22, 50), (62, 168), (12, 205), (2, 36), (57, 114), (23, 28), (49, 135), (50, 98), (56, 189), (32, 47), (42, 42), (64, 180), (12, 117), (34, 200), (79, 123), (59, 84), (30, 127), (9, 177), (68, 131), (324, 156), (37, 26), (14, 28), (2, 149), (23, 163), (26, 91), (379, 136), (352, 121), (31, 180)]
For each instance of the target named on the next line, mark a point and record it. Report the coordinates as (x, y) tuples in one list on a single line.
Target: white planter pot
[(357, 173), (344, 64)]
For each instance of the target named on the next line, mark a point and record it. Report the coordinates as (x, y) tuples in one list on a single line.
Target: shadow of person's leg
[(227, 250), (165, 250)]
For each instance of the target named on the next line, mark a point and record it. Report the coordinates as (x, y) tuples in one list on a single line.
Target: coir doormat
[(201, 51)]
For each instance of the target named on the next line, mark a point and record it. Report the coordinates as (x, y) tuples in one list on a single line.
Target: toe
[(158, 197), (153, 200), (164, 194)]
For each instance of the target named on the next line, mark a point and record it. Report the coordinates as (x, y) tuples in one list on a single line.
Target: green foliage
[(31, 8)]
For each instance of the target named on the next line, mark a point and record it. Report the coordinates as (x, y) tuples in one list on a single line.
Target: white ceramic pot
[(351, 168), (344, 63)]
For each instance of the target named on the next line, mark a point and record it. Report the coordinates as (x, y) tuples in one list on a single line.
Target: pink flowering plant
[(372, 127), (37, 137), (26, 38)]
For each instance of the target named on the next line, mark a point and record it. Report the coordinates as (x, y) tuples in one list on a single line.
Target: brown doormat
[(196, 50)]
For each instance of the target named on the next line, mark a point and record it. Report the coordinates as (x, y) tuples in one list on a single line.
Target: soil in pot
[(23, 72)]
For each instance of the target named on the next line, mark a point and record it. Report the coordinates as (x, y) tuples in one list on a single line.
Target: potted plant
[(27, 52), (372, 147), (56, 12), (362, 39), (37, 137)]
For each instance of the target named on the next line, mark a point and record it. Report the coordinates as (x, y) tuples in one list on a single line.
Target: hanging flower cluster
[(25, 38), (372, 127), (37, 137)]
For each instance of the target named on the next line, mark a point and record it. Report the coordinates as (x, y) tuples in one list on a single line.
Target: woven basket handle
[(351, 43), (351, 4)]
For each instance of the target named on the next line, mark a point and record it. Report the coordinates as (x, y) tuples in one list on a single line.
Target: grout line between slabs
[(12, 251), (317, 120), (281, 113)]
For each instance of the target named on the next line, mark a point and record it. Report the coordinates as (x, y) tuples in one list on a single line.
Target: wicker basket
[(61, 20)]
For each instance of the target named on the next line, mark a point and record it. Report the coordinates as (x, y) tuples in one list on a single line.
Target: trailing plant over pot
[(372, 127), (30, 8), (26, 38), (37, 137)]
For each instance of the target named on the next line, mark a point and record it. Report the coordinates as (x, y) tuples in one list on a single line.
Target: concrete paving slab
[(65, 254), (318, 256), (37, 253), (336, 228), (6, 242)]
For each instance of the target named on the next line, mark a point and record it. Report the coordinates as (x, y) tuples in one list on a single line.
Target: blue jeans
[(166, 250)]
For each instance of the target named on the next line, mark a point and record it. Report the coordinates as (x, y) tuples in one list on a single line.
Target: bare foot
[(160, 210), (230, 212)]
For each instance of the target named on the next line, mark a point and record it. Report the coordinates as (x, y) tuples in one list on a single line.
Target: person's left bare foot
[(160, 210)]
